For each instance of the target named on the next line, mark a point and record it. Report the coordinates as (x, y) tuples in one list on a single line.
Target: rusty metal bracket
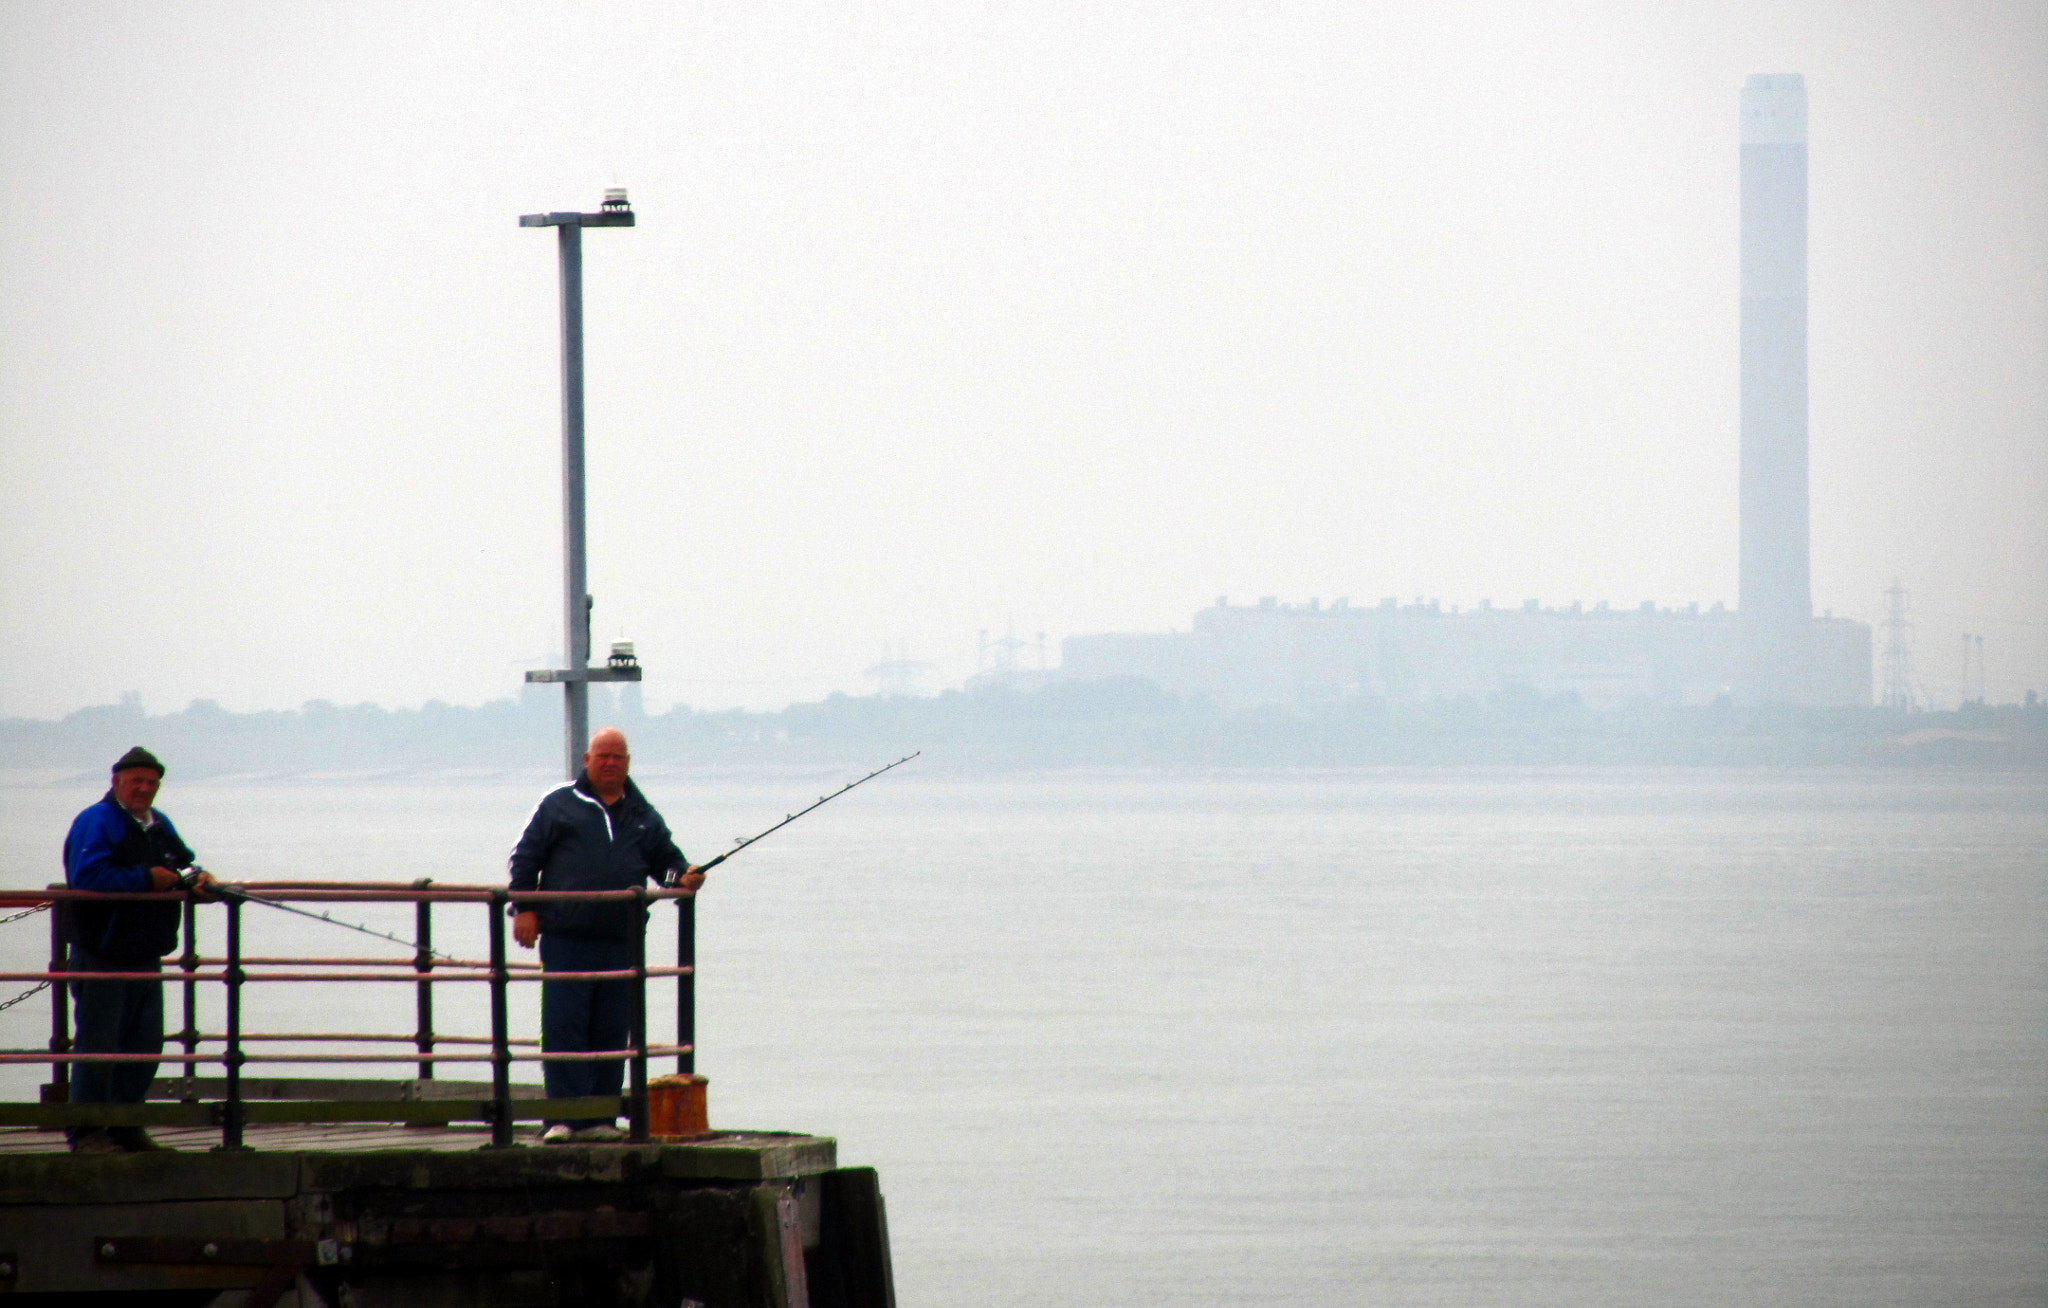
[(282, 1259)]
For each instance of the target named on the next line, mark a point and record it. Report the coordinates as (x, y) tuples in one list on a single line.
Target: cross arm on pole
[(583, 674), (610, 218)]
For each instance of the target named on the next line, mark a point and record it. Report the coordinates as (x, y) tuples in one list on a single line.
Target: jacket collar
[(631, 798), (112, 803)]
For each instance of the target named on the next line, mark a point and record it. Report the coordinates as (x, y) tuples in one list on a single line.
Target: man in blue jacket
[(596, 833), (121, 844)]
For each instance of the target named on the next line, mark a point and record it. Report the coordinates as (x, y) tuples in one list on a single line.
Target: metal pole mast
[(575, 588), (576, 601)]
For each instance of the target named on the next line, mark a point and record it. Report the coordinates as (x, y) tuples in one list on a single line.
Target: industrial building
[(1299, 655), (1773, 650)]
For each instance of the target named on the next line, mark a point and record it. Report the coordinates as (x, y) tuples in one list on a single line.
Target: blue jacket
[(573, 842), (108, 850)]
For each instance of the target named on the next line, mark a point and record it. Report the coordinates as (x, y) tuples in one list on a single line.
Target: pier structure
[(417, 1190), (387, 1217)]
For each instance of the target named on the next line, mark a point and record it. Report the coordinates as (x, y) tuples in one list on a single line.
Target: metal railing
[(425, 969)]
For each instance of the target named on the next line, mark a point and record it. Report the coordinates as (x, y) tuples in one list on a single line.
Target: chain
[(24, 995), (35, 989)]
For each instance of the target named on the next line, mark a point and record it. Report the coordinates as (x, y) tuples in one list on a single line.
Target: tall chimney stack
[(1776, 584)]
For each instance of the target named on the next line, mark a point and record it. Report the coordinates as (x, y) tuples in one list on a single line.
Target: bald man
[(596, 833)]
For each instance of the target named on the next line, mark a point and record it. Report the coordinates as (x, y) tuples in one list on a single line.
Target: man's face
[(607, 760), (135, 788)]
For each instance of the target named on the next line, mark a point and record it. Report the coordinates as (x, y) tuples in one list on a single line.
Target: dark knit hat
[(138, 758)]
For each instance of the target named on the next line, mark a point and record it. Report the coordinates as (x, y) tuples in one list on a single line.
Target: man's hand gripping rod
[(739, 845)]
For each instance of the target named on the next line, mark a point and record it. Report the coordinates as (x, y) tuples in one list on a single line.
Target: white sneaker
[(559, 1133), (599, 1134)]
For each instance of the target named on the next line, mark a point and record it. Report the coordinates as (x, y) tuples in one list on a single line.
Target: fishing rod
[(739, 845), (189, 879)]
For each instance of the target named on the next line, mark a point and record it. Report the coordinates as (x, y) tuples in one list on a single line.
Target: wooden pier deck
[(297, 1137), (719, 1150)]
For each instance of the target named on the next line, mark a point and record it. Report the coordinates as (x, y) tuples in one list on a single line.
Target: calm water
[(1350, 1037)]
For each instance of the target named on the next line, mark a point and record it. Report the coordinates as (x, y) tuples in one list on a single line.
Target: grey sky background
[(942, 314)]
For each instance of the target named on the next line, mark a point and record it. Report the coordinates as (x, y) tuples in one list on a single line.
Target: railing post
[(686, 984), (188, 963), (231, 1111), (637, 1108), (423, 963), (501, 1047), (60, 1008)]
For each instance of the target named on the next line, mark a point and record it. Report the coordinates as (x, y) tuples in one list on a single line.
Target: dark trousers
[(585, 1015), (114, 1017)]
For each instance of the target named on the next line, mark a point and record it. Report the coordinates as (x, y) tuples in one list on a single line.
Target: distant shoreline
[(1114, 723)]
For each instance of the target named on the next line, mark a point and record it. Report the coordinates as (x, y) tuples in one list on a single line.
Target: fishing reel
[(188, 880)]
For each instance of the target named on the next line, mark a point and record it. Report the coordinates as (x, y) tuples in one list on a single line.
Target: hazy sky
[(940, 314)]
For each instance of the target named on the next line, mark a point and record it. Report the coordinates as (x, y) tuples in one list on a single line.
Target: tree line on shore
[(1112, 722)]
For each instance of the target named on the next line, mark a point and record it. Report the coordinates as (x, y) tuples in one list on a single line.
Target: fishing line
[(190, 880)]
